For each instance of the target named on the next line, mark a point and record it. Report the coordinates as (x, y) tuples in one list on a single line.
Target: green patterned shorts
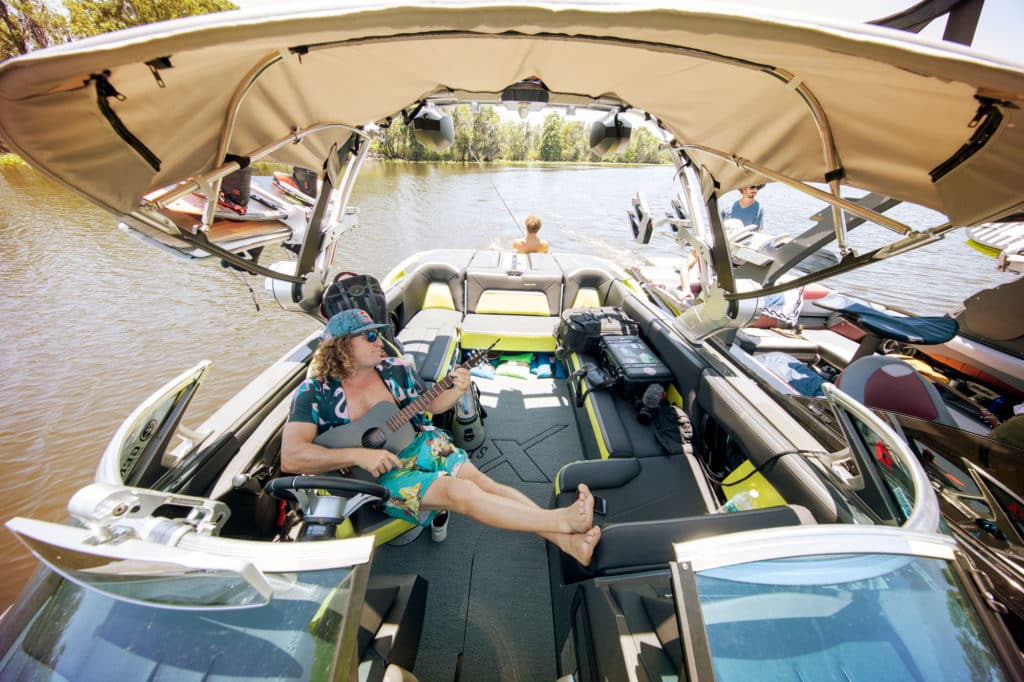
[(429, 456)]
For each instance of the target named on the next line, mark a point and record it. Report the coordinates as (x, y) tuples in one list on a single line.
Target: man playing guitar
[(351, 377)]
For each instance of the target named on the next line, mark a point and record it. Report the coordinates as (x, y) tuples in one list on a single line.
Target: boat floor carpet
[(488, 597)]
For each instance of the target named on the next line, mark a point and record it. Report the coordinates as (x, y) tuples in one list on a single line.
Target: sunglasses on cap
[(371, 335)]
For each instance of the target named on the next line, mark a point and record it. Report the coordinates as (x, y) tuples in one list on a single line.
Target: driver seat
[(888, 383)]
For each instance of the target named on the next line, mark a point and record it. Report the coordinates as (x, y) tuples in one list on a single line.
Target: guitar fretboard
[(396, 421), (418, 405)]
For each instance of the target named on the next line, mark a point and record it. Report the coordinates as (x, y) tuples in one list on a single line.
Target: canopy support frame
[(210, 182), (200, 242), (831, 199), (852, 262), (912, 239), (198, 182), (212, 178), (236, 100), (828, 148)]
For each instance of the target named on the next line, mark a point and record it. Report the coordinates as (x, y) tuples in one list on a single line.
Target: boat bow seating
[(653, 503)]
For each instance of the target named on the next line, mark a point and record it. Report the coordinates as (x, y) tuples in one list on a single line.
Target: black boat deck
[(488, 602)]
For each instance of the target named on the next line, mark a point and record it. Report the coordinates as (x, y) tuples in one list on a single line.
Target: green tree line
[(27, 25), (483, 136)]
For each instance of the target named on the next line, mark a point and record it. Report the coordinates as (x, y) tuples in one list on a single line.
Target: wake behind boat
[(747, 532)]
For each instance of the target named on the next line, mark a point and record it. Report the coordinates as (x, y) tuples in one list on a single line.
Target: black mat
[(488, 597)]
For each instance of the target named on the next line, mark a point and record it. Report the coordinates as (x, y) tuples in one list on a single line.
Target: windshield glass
[(945, 453), (896, 479), (843, 617), (885, 483), (79, 634)]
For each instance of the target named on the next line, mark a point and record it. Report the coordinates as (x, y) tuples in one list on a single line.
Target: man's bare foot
[(580, 546), (581, 512)]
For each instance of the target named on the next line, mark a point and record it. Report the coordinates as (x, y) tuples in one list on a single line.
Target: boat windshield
[(82, 634), (971, 471), (844, 617)]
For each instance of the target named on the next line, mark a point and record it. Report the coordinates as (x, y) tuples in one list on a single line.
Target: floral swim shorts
[(428, 457)]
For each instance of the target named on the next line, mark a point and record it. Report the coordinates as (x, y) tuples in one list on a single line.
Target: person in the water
[(531, 243)]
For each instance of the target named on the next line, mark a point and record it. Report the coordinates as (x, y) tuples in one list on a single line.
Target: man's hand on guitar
[(379, 462), (460, 379)]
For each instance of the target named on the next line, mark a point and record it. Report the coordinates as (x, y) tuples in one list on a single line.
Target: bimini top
[(886, 111)]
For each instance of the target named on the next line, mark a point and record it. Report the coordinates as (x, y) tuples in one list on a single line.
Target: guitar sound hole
[(374, 438)]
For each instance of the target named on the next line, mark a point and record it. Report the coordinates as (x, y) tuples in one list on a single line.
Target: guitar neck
[(420, 404)]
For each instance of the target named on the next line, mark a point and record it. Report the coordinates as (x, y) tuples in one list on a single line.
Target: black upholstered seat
[(637, 490), (640, 545), (653, 502), (606, 420), (512, 299), (430, 339)]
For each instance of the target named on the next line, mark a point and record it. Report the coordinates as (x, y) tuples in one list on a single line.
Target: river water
[(93, 320)]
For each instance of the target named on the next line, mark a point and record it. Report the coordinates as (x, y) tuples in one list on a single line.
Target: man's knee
[(452, 493), (468, 472)]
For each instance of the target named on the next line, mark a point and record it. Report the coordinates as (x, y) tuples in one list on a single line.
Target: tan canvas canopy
[(882, 109)]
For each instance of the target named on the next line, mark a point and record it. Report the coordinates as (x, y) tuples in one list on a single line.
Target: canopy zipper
[(104, 91), (985, 123), (155, 65)]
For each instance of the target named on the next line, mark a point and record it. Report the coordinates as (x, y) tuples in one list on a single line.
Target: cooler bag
[(468, 430), (580, 329), (633, 364)]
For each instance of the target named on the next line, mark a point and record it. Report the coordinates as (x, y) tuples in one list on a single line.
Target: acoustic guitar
[(387, 426)]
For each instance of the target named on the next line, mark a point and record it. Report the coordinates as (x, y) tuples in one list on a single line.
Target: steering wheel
[(321, 514), (284, 488)]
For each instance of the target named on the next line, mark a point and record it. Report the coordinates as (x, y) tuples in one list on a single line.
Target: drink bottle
[(741, 501)]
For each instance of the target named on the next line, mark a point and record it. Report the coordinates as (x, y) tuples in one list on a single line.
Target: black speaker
[(610, 135), (433, 129)]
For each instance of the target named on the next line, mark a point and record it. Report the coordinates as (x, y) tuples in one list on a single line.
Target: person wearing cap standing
[(747, 209), (351, 374)]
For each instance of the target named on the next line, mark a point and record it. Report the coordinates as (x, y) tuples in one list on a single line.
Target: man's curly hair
[(333, 359)]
